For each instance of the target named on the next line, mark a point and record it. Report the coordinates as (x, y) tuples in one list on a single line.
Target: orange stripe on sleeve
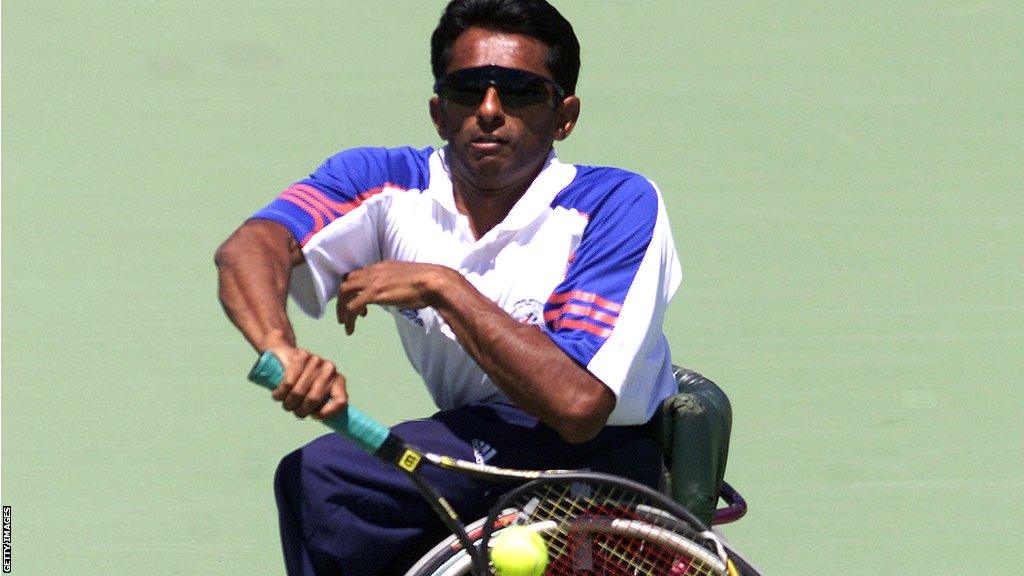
[(598, 331), (588, 297), (298, 200), (590, 312)]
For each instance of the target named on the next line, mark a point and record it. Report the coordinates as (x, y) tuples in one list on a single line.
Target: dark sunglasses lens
[(516, 88), (528, 94), (463, 94)]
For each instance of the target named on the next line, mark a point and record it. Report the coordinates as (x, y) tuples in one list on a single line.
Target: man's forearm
[(254, 267), (524, 362)]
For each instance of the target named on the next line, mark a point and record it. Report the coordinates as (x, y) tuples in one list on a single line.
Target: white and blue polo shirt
[(586, 254)]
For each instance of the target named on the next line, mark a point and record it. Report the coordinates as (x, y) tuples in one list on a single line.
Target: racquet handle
[(352, 423)]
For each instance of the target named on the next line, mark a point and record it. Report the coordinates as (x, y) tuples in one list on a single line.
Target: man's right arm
[(254, 268)]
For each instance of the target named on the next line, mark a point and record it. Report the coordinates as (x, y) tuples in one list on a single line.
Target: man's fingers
[(311, 385), (352, 302), (341, 307), (294, 361), (350, 307), (303, 384), (350, 319), (319, 391), (338, 400)]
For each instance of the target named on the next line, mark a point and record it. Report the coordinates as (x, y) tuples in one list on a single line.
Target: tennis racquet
[(601, 524), (593, 523)]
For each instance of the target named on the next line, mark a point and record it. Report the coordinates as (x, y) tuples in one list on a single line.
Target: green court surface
[(845, 182)]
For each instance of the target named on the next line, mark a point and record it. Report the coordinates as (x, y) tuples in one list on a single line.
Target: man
[(529, 294)]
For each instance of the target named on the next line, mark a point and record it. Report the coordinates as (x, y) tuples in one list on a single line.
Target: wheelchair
[(692, 427)]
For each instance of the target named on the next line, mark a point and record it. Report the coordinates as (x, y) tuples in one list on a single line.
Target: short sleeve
[(334, 214), (608, 312)]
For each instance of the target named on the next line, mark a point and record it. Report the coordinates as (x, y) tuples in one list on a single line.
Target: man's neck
[(485, 209)]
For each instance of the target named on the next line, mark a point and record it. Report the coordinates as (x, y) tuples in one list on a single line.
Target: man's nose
[(490, 109)]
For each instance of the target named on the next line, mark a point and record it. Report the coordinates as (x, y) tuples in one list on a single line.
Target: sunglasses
[(516, 88)]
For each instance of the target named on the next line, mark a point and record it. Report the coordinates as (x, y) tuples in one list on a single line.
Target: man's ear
[(568, 114), (437, 116)]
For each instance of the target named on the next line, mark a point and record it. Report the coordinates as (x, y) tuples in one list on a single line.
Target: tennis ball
[(519, 551)]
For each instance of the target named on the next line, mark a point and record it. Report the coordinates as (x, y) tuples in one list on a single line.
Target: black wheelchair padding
[(693, 427)]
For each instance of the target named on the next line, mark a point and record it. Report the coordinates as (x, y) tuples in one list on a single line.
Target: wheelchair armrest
[(693, 428)]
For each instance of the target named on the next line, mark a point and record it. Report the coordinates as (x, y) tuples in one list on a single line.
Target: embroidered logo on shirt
[(482, 451), (528, 311), (411, 315)]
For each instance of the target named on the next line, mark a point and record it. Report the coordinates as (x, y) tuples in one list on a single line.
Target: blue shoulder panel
[(342, 183), (622, 209)]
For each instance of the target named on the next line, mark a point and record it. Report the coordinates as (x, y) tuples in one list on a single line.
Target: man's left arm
[(521, 359)]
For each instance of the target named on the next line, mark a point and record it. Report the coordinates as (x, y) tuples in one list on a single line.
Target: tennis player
[(528, 293)]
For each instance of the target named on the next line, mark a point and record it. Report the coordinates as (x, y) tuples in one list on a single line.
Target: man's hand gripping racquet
[(379, 441)]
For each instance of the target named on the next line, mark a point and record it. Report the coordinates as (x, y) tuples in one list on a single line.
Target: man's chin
[(489, 172)]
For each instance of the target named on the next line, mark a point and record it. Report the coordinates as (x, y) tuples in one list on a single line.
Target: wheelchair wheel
[(448, 558)]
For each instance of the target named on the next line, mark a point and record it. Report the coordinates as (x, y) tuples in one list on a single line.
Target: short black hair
[(534, 18)]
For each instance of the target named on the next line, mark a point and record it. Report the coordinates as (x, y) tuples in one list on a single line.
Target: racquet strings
[(606, 529)]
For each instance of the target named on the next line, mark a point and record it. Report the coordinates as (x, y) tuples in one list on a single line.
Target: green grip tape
[(268, 371), (357, 426)]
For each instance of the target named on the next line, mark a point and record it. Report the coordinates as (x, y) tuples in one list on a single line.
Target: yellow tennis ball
[(519, 551)]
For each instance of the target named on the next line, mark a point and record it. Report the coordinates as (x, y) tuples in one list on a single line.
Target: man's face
[(496, 146)]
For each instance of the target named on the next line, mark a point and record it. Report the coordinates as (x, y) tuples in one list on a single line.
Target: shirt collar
[(553, 177)]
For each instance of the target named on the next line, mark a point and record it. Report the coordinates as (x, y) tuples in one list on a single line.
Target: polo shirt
[(586, 254)]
